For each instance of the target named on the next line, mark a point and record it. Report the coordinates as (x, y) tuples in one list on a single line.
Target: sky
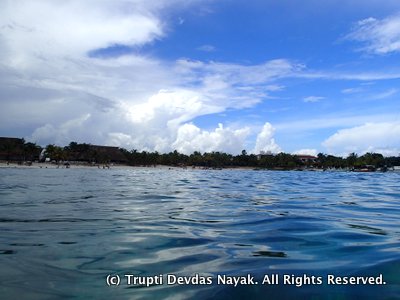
[(301, 77)]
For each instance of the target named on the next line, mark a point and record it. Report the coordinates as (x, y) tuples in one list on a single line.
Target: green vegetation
[(12, 149)]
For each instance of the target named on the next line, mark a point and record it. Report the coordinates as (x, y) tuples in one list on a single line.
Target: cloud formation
[(371, 137), (53, 77), (78, 71), (265, 141), (190, 138), (73, 28), (378, 36), (312, 152)]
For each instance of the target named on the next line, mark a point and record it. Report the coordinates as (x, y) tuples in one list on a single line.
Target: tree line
[(83, 152), (281, 160), (25, 151)]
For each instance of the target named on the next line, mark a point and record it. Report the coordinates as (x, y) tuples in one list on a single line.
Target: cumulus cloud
[(371, 137), (190, 138), (265, 141), (378, 36), (172, 107)]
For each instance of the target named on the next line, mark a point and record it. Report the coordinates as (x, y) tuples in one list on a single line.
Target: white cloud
[(348, 75), (333, 121), (172, 107), (265, 141), (378, 36), (370, 137), (238, 74), (73, 28), (312, 152), (372, 96), (190, 138), (118, 139), (61, 134), (236, 85), (352, 90), (313, 99)]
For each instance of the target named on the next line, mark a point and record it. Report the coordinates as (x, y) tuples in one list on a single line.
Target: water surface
[(62, 231)]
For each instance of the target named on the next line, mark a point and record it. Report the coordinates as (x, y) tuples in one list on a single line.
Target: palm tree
[(55, 153), (31, 150), (351, 159)]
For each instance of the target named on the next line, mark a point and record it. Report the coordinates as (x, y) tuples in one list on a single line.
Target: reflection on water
[(63, 231)]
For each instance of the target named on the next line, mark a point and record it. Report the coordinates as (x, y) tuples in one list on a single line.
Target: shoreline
[(79, 165), (48, 165)]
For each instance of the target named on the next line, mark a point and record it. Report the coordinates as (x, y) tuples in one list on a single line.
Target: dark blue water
[(63, 231)]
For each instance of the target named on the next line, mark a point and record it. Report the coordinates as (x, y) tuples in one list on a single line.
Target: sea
[(161, 233)]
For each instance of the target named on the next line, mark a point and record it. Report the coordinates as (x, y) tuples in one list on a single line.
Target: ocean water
[(71, 233)]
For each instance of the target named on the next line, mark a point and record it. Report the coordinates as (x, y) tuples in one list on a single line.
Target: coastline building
[(108, 154), (307, 158), (98, 154)]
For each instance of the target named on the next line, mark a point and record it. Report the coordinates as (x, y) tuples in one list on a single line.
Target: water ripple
[(78, 225)]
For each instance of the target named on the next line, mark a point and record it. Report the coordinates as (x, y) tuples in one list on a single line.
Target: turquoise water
[(63, 231)]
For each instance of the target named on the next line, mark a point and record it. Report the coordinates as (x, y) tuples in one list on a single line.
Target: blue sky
[(294, 76)]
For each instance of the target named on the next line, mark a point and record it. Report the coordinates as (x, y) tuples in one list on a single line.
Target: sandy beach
[(46, 165)]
